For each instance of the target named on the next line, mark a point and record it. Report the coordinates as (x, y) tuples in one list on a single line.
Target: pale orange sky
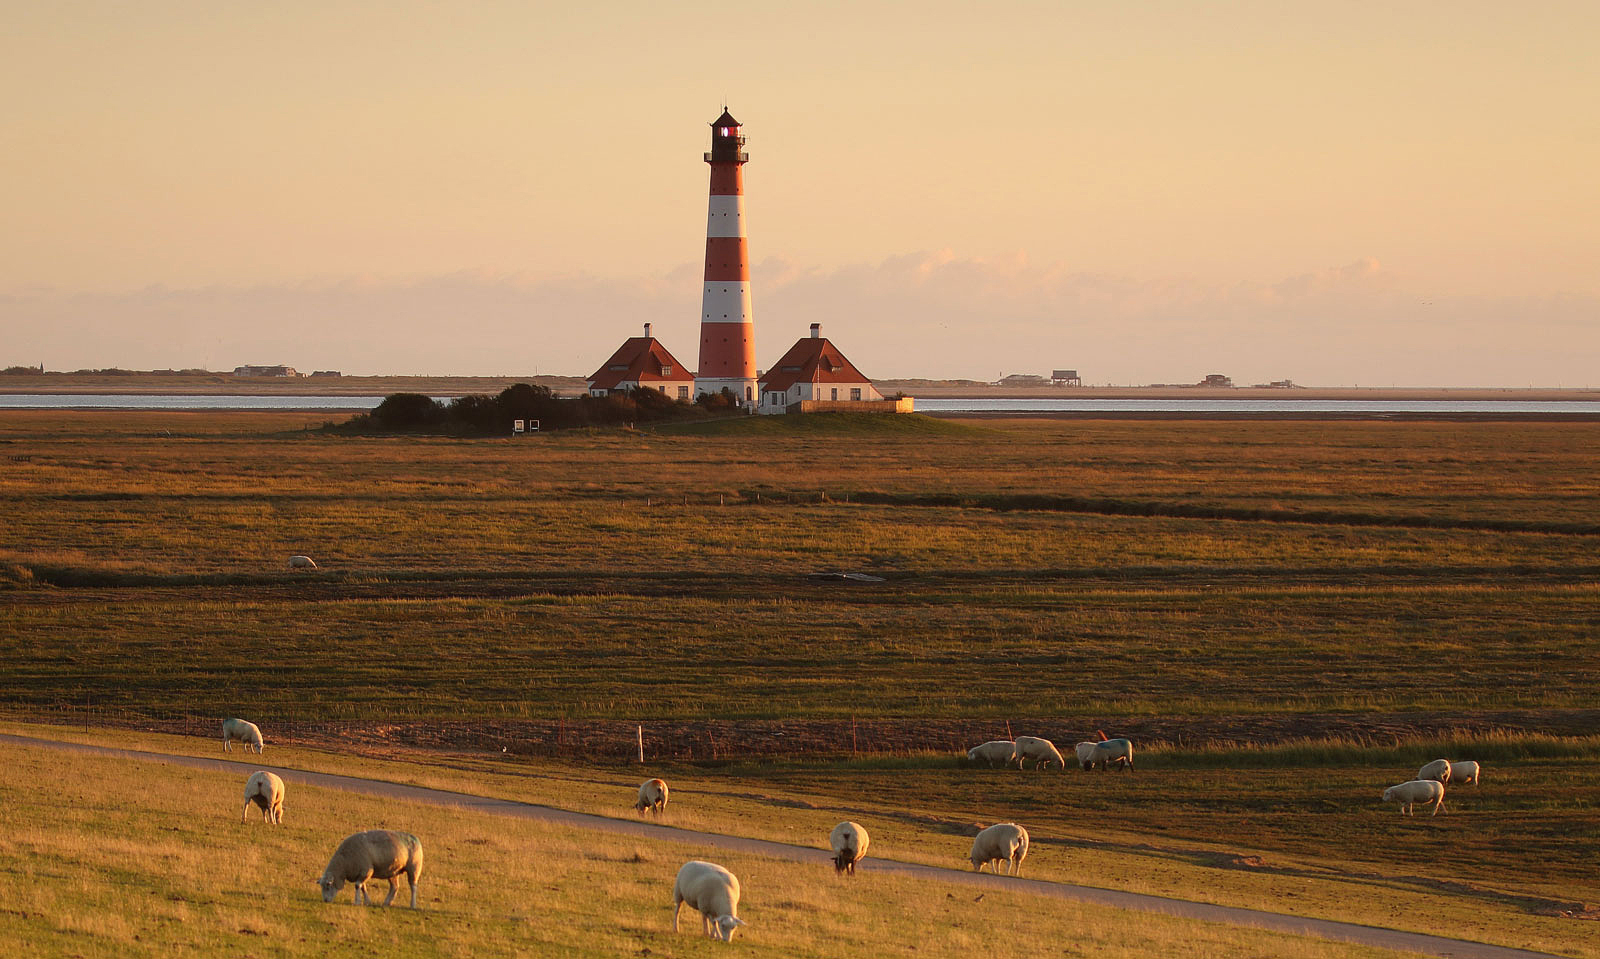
[(1334, 193)]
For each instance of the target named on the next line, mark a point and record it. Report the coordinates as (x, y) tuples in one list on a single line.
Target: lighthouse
[(727, 327)]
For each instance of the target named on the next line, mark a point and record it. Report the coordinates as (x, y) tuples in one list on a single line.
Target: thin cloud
[(930, 314)]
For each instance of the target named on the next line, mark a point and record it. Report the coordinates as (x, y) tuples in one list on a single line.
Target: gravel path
[(1260, 919)]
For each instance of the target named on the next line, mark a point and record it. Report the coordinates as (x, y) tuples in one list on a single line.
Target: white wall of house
[(775, 401)]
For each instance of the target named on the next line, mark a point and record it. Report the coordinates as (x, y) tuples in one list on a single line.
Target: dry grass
[(596, 574), (1247, 577), (1501, 866), (91, 874)]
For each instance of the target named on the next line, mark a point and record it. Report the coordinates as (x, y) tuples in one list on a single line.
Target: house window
[(683, 392), (855, 392), (662, 389), (666, 370), (835, 392)]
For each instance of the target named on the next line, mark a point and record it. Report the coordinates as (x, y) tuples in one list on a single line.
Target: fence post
[(641, 743)]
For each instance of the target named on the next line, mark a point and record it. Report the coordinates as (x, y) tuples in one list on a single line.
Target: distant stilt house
[(641, 362), (266, 371), (815, 376)]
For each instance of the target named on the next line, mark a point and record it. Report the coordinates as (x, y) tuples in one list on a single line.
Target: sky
[(1350, 193)]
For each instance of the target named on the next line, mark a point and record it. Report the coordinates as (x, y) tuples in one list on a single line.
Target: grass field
[(90, 874), (1288, 616), (639, 576)]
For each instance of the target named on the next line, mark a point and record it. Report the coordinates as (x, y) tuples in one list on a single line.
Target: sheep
[(1003, 842), (265, 790), (302, 562), (712, 890), (1465, 772), (849, 841), (1438, 770), (652, 796), (1103, 754), (1042, 751), (245, 733), (1408, 794), (997, 752), (374, 854)]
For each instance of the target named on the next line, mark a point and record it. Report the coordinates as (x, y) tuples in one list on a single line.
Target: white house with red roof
[(641, 362), (816, 374)]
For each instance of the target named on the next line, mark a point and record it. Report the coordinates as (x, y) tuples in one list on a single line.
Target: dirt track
[(1277, 922)]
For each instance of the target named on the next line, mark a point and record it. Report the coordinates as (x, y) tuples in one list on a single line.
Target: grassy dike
[(92, 874), (1311, 842)]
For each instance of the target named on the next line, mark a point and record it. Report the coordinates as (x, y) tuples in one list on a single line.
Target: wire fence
[(685, 740)]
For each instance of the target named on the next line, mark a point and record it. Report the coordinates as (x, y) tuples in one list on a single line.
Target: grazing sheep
[(714, 892), (1106, 753), (1416, 791), (265, 790), (652, 796), (849, 841), (302, 562), (1465, 772), (374, 854), (1003, 842), (237, 730), (1438, 770), (1043, 752), (997, 752)]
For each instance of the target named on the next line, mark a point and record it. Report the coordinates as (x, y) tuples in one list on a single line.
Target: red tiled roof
[(640, 359), (812, 359)]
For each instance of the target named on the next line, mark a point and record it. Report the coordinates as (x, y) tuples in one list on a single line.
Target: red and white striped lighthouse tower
[(727, 327)]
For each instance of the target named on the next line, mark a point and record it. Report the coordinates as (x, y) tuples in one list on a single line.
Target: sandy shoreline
[(222, 384)]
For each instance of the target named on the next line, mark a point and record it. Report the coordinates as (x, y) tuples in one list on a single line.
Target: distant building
[(327, 373), (265, 371), (1065, 378), (1022, 379), (641, 362), (814, 375), (1217, 379)]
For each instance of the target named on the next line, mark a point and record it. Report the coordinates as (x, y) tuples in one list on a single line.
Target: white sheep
[(302, 562), (1465, 772), (374, 854), (1438, 770), (237, 730), (714, 892), (1408, 794), (1105, 753), (1042, 751), (1003, 842), (652, 796), (264, 789), (849, 841), (996, 752)]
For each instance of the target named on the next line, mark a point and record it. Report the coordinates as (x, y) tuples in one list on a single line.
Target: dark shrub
[(407, 411)]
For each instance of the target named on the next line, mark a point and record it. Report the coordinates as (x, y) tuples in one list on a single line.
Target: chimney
[(647, 331), (816, 330)]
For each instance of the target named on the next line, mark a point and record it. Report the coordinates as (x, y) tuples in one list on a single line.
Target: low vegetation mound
[(481, 415), (709, 415)]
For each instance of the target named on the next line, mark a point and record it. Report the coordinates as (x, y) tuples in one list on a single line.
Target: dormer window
[(666, 369)]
